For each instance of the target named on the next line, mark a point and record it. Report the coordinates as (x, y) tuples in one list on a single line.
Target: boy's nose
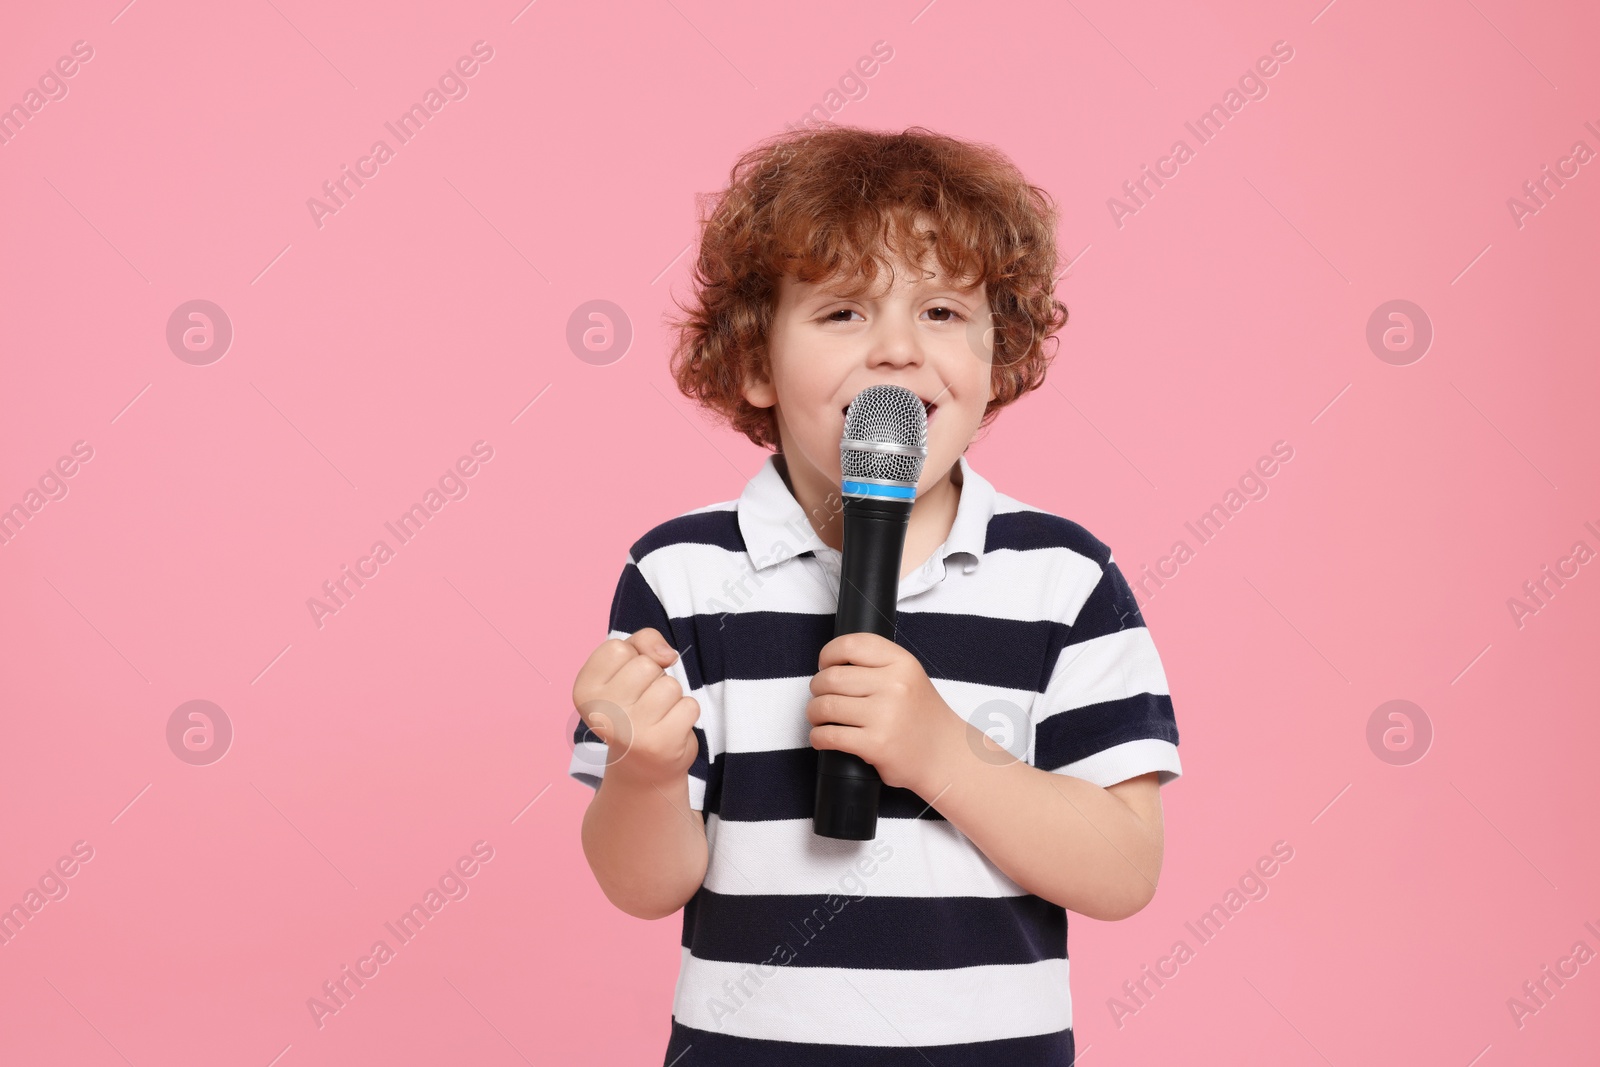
[(894, 345)]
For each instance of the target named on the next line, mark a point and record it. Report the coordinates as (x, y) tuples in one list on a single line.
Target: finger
[(633, 678), (601, 666), (845, 711), (657, 699), (649, 642), (682, 716), (843, 738), (844, 679), (862, 649)]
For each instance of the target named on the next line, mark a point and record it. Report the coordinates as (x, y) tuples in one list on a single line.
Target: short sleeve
[(635, 606), (1106, 714)]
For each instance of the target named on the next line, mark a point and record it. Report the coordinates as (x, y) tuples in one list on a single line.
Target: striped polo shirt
[(912, 947)]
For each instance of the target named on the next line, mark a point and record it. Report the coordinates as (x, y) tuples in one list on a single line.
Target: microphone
[(881, 454)]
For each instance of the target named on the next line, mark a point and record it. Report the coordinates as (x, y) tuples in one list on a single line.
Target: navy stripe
[(719, 528), (977, 648), (782, 784), (1024, 531), (688, 1047), (897, 933), (634, 606), (761, 645), (756, 645), (1069, 736), (1110, 607)]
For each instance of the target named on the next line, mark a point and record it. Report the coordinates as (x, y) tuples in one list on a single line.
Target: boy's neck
[(932, 516)]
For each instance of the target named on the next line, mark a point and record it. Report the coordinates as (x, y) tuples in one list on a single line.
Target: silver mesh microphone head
[(885, 442)]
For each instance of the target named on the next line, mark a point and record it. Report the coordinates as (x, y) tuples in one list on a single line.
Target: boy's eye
[(832, 315)]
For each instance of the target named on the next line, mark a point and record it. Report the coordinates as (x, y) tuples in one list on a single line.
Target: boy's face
[(929, 335)]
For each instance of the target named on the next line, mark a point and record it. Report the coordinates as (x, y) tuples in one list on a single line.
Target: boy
[(1020, 720)]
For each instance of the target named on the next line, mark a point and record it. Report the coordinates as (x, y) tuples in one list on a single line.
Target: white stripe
[(908, 858), (771, 712), (691, 578), (1015, 585), (1104, 668), (1127, 760), (873, 1007)]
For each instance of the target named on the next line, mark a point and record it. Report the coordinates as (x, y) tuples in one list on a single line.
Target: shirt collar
[(775, 528)]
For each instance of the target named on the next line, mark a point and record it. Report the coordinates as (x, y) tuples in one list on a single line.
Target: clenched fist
[(625, 696)]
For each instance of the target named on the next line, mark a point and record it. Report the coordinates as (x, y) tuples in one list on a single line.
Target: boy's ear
[(760, 393)]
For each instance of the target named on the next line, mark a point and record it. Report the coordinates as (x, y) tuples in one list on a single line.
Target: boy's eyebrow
[(826, 291)]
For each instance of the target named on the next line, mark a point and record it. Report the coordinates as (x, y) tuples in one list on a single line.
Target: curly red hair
[(831, 203)]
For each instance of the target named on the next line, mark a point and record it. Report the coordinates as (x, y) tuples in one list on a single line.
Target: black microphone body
[(869, 587), (881, 453)]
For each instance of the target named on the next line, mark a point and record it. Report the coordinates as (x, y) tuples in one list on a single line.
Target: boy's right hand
[(625, 696)]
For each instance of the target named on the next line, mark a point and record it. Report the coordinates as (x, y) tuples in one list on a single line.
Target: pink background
[(369, 354)]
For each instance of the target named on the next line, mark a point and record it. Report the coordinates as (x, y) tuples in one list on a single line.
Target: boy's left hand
[(872, 698)]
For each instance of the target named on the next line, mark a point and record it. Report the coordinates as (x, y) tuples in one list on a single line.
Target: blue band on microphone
[(879, 490)]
